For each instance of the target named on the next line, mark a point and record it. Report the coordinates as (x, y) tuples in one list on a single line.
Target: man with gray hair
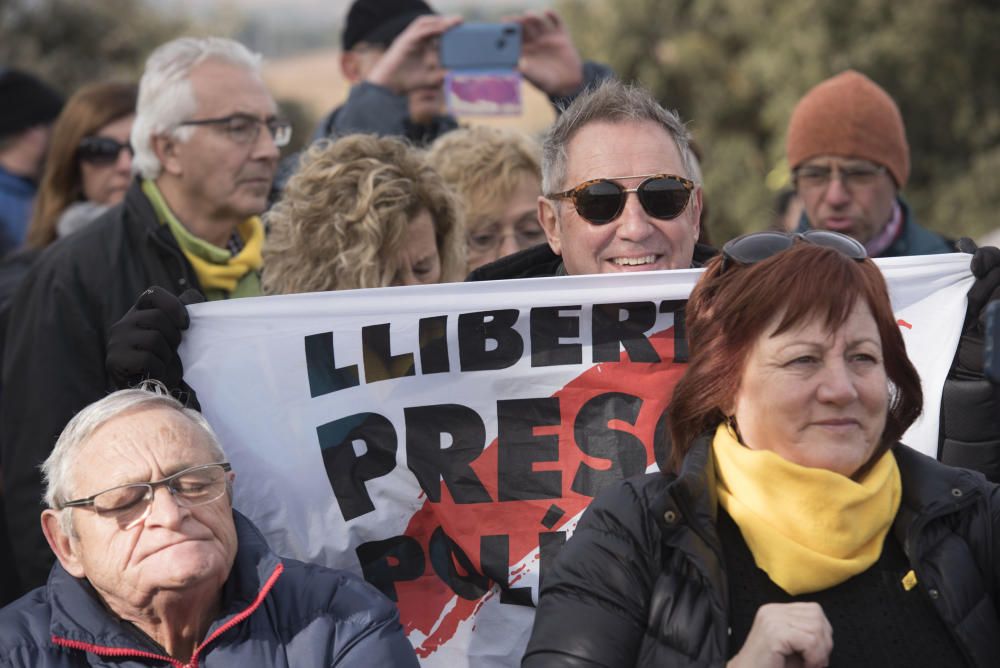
[(206, 140), (612, 142), (155, 566)]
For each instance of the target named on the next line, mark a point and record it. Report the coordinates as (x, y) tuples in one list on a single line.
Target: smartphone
[(991, 345), (480, 46)]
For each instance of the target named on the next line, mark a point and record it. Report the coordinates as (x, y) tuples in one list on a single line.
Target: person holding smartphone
[(390, 56)]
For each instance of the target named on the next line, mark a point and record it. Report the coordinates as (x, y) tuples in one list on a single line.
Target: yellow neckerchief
[(217, 268), (808, 528)]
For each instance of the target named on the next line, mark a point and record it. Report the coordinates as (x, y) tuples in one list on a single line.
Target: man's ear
[(696, 205), (350, 66), (167, 150), (62, 544), (548, 218)]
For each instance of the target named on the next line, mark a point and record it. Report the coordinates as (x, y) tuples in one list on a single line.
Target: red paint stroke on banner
[(422, 602), (905, 324)]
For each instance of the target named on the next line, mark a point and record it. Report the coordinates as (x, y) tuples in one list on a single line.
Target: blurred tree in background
[(71, 42), (735, 69)]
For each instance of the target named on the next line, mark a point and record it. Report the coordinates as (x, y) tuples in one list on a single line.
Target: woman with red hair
[(793, 528)]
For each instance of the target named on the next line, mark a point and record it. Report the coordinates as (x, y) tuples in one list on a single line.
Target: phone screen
[(482, 78)]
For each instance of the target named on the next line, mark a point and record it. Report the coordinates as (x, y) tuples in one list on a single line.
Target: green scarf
[(221, 274)]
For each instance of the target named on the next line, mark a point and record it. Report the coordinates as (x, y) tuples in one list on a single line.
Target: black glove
[(143, 344), (986, 269)]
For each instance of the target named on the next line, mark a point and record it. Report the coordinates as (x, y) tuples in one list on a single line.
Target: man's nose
[(634, 223), (164, 509), (836, 192), (265, 148)]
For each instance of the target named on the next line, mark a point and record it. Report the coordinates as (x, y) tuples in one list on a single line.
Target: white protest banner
[(443, 440)]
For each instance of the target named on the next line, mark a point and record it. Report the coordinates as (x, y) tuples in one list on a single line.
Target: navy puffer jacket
[(276, 612)]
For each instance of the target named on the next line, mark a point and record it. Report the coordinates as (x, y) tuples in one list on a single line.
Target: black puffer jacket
[(57, 332), (642, 582)]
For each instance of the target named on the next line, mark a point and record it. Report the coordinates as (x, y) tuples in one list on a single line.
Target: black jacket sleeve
[(593, 604), (53, 366)]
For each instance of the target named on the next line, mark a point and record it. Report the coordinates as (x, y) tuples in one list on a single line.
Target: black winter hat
[(27, 101), (380, 21)]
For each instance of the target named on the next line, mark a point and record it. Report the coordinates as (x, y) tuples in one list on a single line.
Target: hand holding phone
[(481, 59), (549, 60)]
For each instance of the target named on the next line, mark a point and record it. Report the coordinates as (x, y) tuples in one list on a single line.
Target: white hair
[(57, 468), (166, 97)]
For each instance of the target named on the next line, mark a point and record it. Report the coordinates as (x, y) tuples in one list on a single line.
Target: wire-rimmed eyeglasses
[(130, 504)]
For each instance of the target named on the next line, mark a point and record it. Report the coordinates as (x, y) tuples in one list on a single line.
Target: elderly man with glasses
[(206, 139), (849, 158), (155, 567), (620, 191)]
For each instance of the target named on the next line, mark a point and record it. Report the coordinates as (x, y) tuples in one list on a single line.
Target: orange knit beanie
[(851, 116)]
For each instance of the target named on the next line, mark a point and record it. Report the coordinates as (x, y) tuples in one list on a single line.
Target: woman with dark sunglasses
[(89, 164), (792, 528), (87, 169)]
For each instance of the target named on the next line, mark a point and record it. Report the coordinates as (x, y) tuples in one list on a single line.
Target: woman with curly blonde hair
[(362, 212), (497, 175)]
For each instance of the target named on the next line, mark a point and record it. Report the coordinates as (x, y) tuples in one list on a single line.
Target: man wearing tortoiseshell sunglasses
[(620, 191)]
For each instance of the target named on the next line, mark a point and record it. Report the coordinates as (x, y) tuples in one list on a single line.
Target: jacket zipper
[(193, 663), (115, 651), (915, 530)]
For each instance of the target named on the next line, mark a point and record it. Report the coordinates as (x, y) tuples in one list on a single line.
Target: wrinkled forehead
[(222, 88), (140, 445), (603, 149)]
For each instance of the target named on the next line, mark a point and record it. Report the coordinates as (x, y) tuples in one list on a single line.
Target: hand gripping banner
[(442, 441)]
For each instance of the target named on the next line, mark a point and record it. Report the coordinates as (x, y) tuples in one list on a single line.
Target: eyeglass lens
[(101, 150), (246, 129), (603, 201), (814, 177), (194, 487)]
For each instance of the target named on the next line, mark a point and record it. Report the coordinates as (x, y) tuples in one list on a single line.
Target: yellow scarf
[(220, 273), (808, 528)]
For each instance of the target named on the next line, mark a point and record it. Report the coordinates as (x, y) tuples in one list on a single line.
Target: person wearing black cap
[(24, 137), (390, 57)]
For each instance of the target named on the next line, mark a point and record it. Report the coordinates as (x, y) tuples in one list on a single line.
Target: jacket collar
[(930, 489), (79, 615)]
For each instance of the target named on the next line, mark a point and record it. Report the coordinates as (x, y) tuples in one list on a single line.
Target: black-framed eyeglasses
[(130, 504), (810, 178), (600, 201), (101, 150), (245, 129), (758, 246)]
